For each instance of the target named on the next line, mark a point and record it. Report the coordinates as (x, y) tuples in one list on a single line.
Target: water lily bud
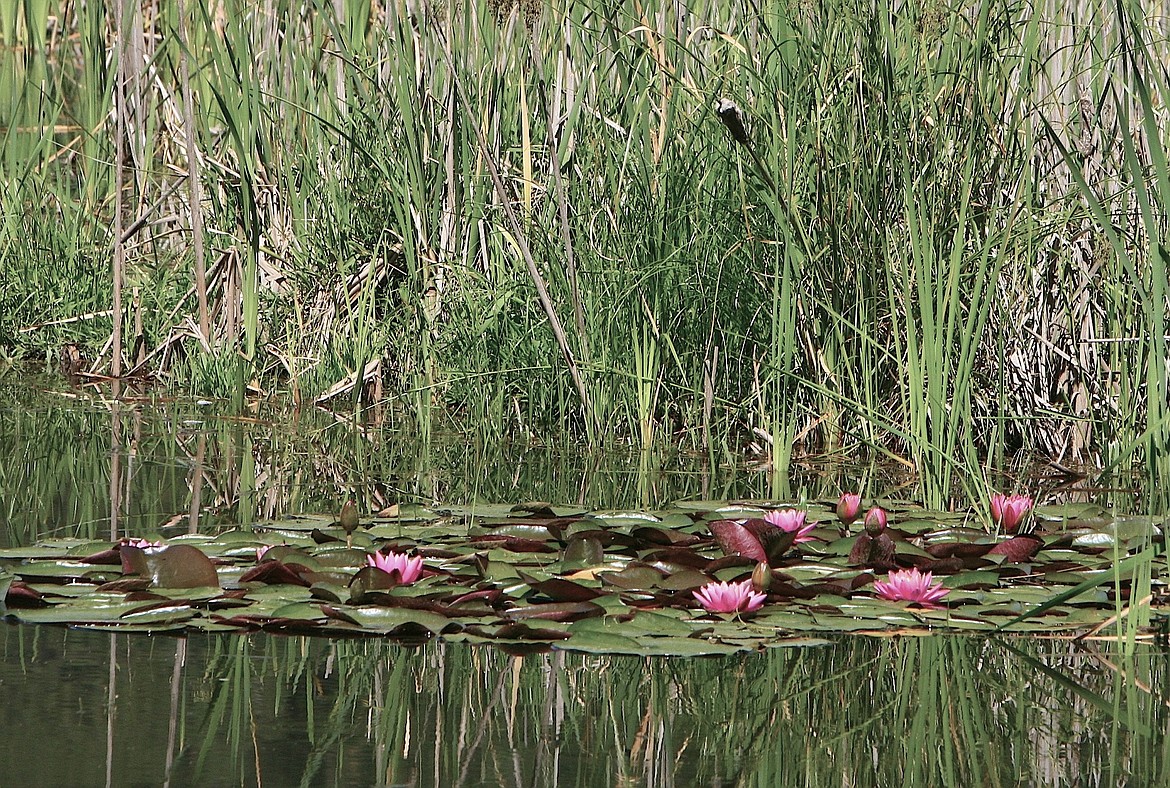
[(762, 577), (875, 521), (349, 517), (848, 507)]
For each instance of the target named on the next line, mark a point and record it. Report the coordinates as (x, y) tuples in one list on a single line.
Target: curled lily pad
[(736, 539), (560, 590), (177, 566), (275, 573), (585, 551), (18, 594), (369, 579), (1018, 549), (635, 577)]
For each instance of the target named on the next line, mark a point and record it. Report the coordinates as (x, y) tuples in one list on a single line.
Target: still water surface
[(85, 708), (92, 709)]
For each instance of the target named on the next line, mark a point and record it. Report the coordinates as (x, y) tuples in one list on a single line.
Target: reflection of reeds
[(179, 465), (260, 710), (950, 711)]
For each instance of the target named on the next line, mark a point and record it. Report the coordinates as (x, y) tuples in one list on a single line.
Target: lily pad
[(177, 566)]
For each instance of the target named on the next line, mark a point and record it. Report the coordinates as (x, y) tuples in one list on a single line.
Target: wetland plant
[(730, 597), (1008, 511), (910, 585), (408, 567), (792, 521)]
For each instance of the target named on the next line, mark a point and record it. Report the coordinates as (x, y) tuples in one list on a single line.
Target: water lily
[(1008, 511), (143, 544), (730, 597), (848, 507), (910, 585), (792, 521), (409, 567)]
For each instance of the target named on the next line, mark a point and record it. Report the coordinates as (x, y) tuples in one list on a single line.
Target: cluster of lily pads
[(700, 578)]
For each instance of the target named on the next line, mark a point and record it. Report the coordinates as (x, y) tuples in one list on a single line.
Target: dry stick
[(144, 217), (1115, 618), (514, 223), (193, 178)]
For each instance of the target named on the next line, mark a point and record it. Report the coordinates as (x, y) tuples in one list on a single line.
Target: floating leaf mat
[(537, 576)]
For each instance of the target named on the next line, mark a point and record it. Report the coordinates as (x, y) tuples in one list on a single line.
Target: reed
[(940, 240)]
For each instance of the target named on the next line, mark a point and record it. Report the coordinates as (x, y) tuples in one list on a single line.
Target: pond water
[(87, 708)]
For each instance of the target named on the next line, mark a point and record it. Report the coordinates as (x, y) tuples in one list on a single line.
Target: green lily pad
[(601, 643), (392, 619)]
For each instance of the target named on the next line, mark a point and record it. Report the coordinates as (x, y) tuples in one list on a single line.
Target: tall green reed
[(902, 263)]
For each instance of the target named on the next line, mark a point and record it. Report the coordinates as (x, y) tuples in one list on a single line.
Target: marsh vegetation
[(645, 261), (940, 242)]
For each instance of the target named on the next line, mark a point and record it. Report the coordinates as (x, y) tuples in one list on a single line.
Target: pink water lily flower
[(910, 585), (848, 507), (409, 567), (792, 521), (730, 597), (1008, 511)]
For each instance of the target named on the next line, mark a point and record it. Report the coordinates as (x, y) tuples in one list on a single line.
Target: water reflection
[(89, 708), (260, 710), (92, 466)]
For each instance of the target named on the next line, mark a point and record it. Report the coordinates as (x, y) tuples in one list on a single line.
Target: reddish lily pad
[(556, 611), (1018, 549), (735, 539), (275, 573)]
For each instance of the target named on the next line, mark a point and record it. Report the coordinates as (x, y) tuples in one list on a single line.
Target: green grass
[(940, 246)]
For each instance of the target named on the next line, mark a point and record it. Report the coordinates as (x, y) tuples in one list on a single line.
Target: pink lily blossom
[(409, 567), (848, 507), (143, 544), (910, 585), (792, 521), (1008, 511), (730, 597)]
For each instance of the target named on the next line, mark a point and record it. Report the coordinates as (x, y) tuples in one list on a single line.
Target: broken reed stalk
[(516, 227), (193, 175), (562, 204), (119, 258)]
